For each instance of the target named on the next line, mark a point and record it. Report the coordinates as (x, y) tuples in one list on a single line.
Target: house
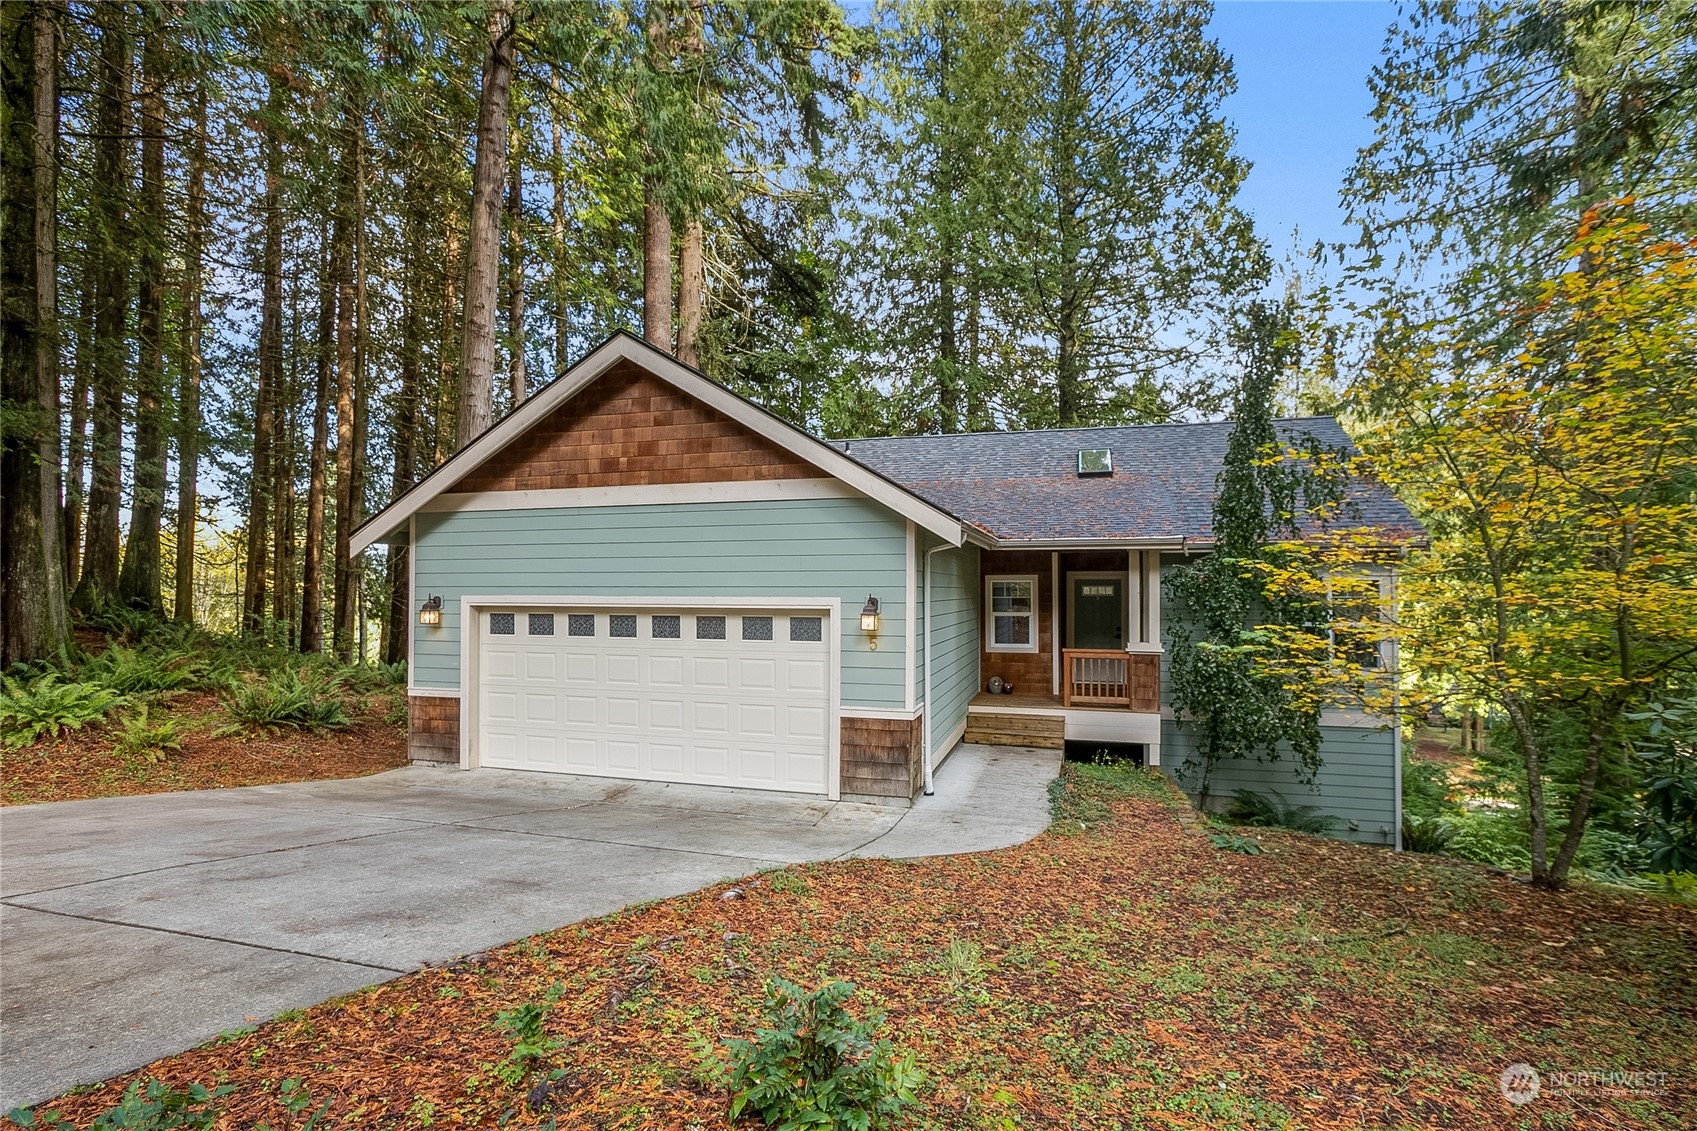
[(639, 574)]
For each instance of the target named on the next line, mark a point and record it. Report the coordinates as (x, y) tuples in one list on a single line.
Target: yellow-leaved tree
[(1557, 476)]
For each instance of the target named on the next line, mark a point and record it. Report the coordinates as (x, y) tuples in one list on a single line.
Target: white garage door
[(715, 697)]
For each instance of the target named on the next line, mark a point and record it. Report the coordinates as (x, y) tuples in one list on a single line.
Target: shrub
[(1668, 753), (815, 1065), (1251, 808), (1425, 788), (143, 741), (149, 1106), (1603, 849), (290, 697), (48, 706), (1497, 839)]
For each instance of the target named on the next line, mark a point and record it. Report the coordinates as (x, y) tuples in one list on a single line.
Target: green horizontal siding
[(843, 548), (920, 541), (1356, 784), (954, 639)]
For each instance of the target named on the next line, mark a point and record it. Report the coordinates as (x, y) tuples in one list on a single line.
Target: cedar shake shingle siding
[(631, 428), (433, 728)]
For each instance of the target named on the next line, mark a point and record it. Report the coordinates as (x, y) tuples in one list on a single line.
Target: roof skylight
[(1095, 461)]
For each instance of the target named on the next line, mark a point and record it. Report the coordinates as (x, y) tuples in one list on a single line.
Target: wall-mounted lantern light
[(869, 620), (430, 612)]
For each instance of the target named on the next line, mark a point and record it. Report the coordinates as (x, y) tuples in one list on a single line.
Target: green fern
[(1251, 808), (143, 741), (48, 707), (375, 677), (289, 698), (139, 671), (1426, 834)]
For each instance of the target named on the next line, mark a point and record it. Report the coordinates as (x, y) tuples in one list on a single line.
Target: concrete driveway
[(132, 928)]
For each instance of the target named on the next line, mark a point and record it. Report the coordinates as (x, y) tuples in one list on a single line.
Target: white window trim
[(1386, 649), (990, 614)]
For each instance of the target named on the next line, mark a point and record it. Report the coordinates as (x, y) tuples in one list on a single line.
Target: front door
[(1098, 611)]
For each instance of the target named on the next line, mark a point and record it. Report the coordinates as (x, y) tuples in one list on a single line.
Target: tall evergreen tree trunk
[(517, 379), (561, 277), (944, 189), (284, 447), (948, 343), (691, 285), (972, 382), (76, 455), (656, 267), (445, 400), (1069, 204), (188, 386), (657, 293), (399, 620), (483, 244), (97, 584), (34, 619), (342, 617), (139, 580), (257, 579), (362, 394), (312, 560)]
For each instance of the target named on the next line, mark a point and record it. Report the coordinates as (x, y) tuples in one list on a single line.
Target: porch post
[(1055, 621), (1133, 594)]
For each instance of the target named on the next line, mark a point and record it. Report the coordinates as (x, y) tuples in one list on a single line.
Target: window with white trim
[(1010, 613), (1360, 609)]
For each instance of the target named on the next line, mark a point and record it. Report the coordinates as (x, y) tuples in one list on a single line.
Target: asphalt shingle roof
[(1024, 486)]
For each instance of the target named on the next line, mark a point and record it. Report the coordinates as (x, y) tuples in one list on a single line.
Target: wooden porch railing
[(1105, 677)]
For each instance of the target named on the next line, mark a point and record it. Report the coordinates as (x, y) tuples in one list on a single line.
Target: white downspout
[(930, 752)]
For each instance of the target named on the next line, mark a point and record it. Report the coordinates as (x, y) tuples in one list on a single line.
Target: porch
[(1071, 639)]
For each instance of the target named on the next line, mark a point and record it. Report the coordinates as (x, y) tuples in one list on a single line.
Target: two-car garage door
[(711, 696)]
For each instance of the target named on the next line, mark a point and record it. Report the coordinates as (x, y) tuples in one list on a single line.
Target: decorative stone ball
[(1007, 689)]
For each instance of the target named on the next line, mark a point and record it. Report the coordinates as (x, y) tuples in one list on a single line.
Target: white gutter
[(1087, 544), (930, 753)]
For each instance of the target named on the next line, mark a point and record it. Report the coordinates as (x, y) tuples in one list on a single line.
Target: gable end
[(630, 428)]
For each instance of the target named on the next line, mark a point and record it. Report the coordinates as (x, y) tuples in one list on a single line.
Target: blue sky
[(1301, 106)]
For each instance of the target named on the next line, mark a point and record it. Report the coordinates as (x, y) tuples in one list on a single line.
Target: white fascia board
[(481, 449), (625, 348), (1088, 544)]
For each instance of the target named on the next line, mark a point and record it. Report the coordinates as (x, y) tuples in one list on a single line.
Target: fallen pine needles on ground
[(1117, 971)]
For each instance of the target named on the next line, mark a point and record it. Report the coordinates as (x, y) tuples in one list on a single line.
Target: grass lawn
[(1118, 971)]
